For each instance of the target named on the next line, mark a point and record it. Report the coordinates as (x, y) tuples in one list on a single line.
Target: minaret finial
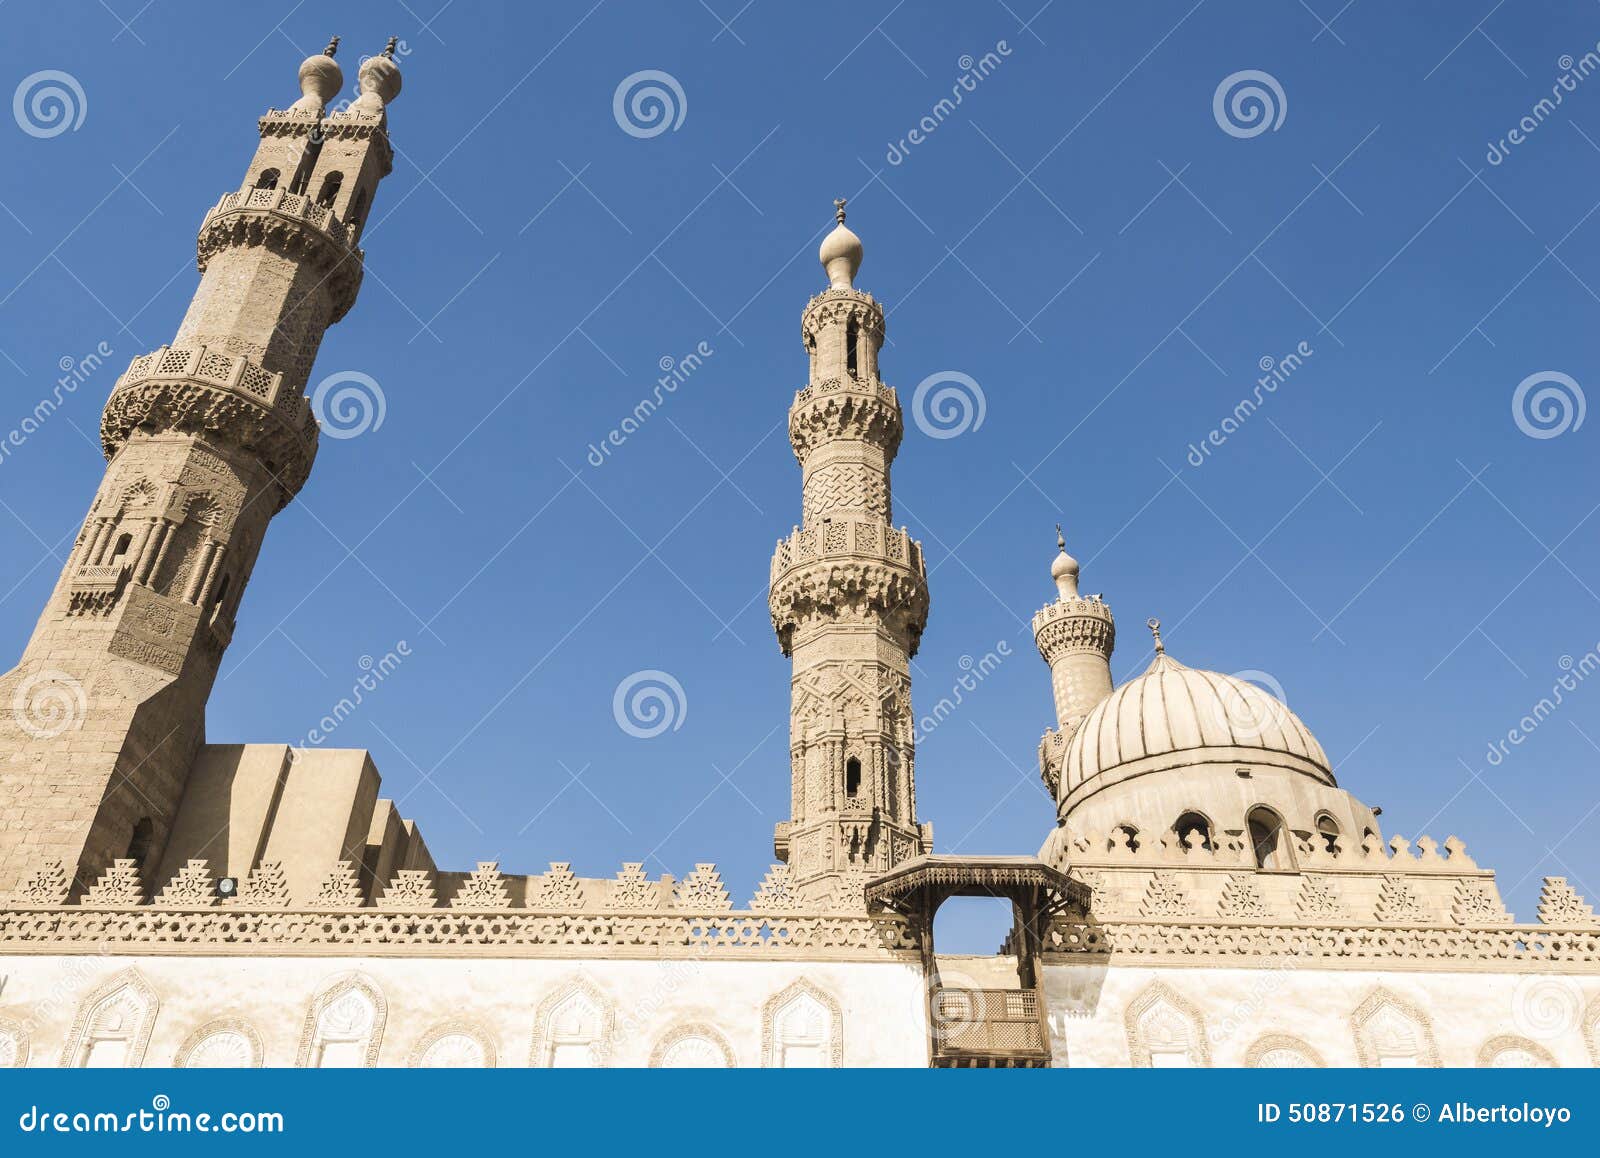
[(394, 42), (841, 251), (838, 209), (333, 47), (1065, 569), (1061, 540), (1154, 625)]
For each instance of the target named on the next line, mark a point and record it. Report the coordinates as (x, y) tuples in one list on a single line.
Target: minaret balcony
[(848, 568), (843, 537), (844, 408), (289, 223), (199, 390)]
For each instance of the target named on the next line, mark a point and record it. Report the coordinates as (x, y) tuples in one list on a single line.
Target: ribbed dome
[(1175, 716)]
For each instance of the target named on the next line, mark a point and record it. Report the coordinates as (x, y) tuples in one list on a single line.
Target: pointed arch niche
[(113, 1024), (344, 1026), (802, 1027), (574, 1028), (1165, 1030)]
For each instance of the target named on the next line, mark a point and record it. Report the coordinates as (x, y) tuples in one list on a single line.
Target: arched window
[(120, 551), (330, 189), (851, 332), (358, 210), (268, 179), (852, 777), (1124, 838), (1266, 837), (1328, 829), (144, 835), (1193, 830)]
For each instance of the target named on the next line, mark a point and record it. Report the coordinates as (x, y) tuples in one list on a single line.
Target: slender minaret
[(1075, 635), (206, 439), (849, 600)]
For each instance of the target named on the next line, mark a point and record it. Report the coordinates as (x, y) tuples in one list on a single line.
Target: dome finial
[(1154, 625), (333, 47), (1065, 569), (394, 42), (841, 251)]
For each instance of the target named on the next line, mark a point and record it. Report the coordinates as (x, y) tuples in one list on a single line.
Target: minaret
[(206, 439), (1075, 635), (849, 600)]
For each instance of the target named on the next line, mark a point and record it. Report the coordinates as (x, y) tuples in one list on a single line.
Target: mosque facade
[(1207, 894)]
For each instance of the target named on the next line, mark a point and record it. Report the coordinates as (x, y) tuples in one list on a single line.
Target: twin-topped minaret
[(849, 600), (206, 439)]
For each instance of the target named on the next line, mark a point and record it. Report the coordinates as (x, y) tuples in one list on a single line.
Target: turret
[(1075, 634)]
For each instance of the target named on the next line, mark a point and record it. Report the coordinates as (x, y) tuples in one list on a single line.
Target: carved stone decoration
[(265, 888), (227, 1043), (113, 1023), (1398, 903), (694, 1046), (344, 1025), (1165, 1030), (1560, 904), (45, 888), (702, 891), (1281, 1051), (340, 889), (1474, 904), (118, 888), (1318, 899), (802, 1027), (1510, 1051), (454, 1045), (776, 894), (1591, 1030), (192, 888), (632, 890), (574, 1028), (1390, 1031), (845, 893), (15, 1043), (557, 890), (1241, 899), (1164, 898), (485, 888), (411, 889)]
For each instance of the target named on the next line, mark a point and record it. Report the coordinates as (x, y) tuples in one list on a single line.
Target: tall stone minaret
[(206, 439), (1075, 634), (849, 600)]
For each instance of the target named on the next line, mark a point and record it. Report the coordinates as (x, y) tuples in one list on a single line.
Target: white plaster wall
[(882, 1003), (1088, 1006)]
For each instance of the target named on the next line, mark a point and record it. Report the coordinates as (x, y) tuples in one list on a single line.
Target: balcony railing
[(988, 1027)]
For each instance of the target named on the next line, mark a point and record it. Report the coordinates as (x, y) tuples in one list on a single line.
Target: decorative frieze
[(411, 889), (118, 888), (1560, 904), (191, 888), (484, 888)]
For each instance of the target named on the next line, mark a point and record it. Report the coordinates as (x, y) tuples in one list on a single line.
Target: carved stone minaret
[(1075, 635), (206, 439), (849, 600)]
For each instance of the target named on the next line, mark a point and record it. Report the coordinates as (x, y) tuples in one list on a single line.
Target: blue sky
[(1081, 237)]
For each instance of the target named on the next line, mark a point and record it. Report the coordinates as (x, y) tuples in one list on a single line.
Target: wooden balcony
[(999, 1028)]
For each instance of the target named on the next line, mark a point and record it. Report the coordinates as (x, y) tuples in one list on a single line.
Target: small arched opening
[(1267, 839), (330, 189), (1193, 831), (852, 333), (1328, 833), (267, 179), (1123, 838), (119, 553), (143, 836), (852, 778)]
